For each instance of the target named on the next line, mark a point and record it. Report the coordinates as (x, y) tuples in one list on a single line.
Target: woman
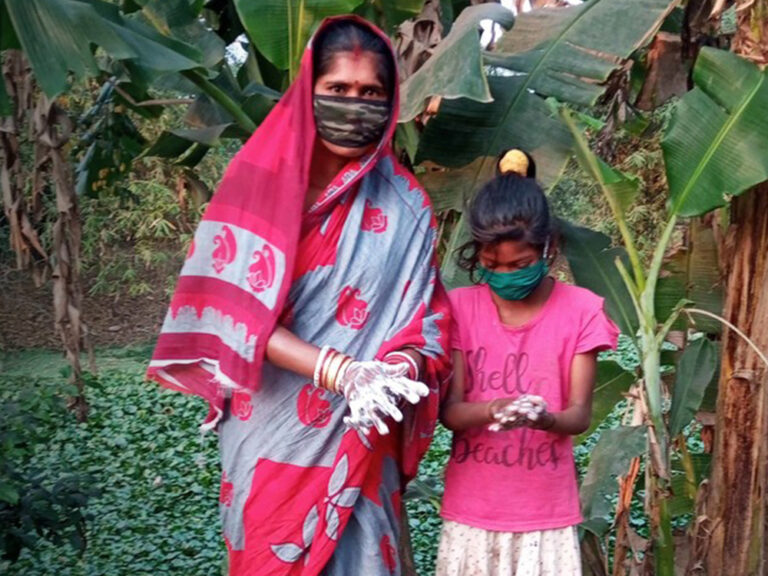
[(318, 253)]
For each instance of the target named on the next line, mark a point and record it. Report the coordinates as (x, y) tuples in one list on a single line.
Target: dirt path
[(26, 314)]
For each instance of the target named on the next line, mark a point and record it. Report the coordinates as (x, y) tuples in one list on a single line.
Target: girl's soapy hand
[(526, 410), (505, 414), (544, 421)]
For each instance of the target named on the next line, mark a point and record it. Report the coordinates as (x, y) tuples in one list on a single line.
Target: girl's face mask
[(350, 122), (515, 285), (518, 284)]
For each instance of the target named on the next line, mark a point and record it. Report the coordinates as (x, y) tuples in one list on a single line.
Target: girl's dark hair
[(351, 36), (509, 207)]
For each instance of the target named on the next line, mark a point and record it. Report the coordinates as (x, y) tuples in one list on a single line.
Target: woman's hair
[(512, 206), (351, 36)]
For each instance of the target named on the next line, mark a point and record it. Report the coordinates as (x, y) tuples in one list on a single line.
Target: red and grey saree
[(302, 494)]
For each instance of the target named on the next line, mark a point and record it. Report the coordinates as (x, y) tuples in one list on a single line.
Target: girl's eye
[(337, 89), (373, 92)]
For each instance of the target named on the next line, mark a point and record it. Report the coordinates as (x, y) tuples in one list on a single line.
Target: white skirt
[(469, 551)]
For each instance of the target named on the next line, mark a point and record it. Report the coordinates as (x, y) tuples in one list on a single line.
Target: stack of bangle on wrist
[(330, 368), (398, 357)]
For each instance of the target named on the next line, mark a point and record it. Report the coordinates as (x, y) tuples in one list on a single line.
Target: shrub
[(32, 506)]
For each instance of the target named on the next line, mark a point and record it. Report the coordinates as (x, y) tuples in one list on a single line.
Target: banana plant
[(720, 122), (549, 52), (281, 28)]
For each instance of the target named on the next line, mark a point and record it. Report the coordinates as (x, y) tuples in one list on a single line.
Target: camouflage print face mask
[(350, 122)]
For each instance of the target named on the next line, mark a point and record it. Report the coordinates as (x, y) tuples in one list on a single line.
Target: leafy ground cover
[(156, 512), (157, 477)]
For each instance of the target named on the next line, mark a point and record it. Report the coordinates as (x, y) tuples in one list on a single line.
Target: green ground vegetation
[(152, 478)]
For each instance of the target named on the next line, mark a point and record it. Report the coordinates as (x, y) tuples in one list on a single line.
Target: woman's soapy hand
[(373, 390)]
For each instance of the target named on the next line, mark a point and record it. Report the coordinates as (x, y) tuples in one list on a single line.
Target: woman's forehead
[(363, 66)]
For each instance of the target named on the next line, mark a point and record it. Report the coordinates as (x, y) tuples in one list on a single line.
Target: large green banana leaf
[(610, 458), (717, 143), (57, 35), (8, 38), (695, 370), (465, 130), (390, 13), (611, 384), (455, 69), (692, 273), (181, 19), (569, 53), (592, 260), (566, 53), (281, 28)]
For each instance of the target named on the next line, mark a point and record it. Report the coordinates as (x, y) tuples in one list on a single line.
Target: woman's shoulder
[(409, 189)]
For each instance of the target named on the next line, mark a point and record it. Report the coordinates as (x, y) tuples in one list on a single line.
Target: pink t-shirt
[(519, 480)]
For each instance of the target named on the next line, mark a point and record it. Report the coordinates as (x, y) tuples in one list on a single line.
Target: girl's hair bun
[(516, 161)]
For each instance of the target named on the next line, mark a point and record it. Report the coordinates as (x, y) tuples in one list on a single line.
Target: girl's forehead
[(508, 250)]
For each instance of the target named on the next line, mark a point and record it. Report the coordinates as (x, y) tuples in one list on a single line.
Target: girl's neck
[(324, 168), (518, 312)]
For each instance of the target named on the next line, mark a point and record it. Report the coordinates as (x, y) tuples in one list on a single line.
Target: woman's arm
[(455, 413), (289, 352), (575, 419)]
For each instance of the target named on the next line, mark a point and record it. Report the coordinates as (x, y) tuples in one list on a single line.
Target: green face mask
[(518, 284), (350, 122)]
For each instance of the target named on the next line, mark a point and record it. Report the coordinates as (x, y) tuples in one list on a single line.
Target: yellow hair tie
[(514, 161)]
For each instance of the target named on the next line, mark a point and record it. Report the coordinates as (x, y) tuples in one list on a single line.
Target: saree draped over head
[(300, 493)]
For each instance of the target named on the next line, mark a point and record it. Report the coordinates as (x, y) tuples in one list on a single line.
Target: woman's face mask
[(350, 122), (351, 103)]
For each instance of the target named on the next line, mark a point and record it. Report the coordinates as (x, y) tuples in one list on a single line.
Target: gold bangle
[(342, 369), (326, 364), (333, 371)]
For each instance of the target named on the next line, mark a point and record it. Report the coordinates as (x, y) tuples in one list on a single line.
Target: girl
[(308, 295), (524, 351)]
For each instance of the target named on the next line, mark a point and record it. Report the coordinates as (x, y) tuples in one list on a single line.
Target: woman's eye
[(372, 92), (337, 89)]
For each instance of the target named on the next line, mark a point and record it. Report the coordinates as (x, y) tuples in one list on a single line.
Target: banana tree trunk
[(736, 504)]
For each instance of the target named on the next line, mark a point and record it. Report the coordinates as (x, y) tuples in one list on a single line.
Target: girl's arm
[(455, 413), (575, 419)]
